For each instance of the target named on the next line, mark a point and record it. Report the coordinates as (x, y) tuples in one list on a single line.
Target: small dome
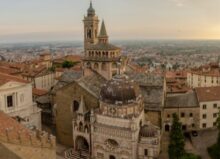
[(119, 91), (148, 131)]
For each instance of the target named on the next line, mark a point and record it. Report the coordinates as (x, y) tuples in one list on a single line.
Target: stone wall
[(28, 145), (31, 139), (27, 152), (64, 113), (153, 116)]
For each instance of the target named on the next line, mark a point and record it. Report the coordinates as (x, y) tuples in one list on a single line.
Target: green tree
[(218, 126), (176, 147), (214, 150), (67, 64)]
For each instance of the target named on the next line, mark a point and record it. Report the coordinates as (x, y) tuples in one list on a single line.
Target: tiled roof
[(186, 100), (7, 123), (74, 58), (5, 78), (144, 79), (66, 78), (208, 93), (39, 92), (176, 74), (92, 83)]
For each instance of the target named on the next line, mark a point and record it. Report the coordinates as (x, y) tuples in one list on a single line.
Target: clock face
[(113, 110)]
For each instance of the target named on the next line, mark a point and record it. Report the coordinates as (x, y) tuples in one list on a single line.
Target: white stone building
[(16, 101), (117, 129), (209, 105), (204, 76)]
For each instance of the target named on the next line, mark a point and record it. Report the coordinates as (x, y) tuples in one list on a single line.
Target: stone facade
[(117, 129), (186, 106), (100, 55), (190, 120), (66, 99)]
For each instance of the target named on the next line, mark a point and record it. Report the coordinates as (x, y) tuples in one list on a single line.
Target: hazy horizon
[(56, 20)]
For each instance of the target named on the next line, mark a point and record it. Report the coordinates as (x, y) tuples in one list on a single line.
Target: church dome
[(119, 91), (148, 131)]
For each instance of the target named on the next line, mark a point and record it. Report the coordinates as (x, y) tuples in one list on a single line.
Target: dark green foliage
[(176, 147), (68, 64), (190, 156), (218, 126), (214, 151), (52, 69)]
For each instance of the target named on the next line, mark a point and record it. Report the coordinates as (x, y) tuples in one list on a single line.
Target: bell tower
[(91, 27)]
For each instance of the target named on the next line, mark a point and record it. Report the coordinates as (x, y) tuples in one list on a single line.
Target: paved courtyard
[(205, 139)]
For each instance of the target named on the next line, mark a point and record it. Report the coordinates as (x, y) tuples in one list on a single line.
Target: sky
[(57, 20)]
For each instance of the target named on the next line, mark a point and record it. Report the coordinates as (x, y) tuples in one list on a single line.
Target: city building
[(100, 55), (204, 76), (186, 106), (209, 105), (82, 92), (16, 101), (117, 129)]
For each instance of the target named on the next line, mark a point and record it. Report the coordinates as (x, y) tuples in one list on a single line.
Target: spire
[(91, 10), (82, 107), (103, 32)]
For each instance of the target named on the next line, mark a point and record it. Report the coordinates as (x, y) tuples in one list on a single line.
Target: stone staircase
[(72, 154)]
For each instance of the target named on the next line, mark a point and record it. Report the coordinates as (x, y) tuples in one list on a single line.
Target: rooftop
[(186, 100), (205, 94), (5, 78)]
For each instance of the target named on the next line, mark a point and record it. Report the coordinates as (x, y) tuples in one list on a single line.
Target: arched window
[(75, 105), (112, 157), (104, 66), (114, 65), (89, 33), (96, 66), (80, 126), (88, 64)]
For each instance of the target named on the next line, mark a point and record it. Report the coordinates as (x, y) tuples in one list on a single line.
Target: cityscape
[(98, 97)]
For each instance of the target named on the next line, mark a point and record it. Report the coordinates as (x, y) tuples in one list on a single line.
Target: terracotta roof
[(35, 72), (73, 58), (176, 74), (5, 78), (39, 92), (8, 123), (211, 69), (8, 70), (208, 93)]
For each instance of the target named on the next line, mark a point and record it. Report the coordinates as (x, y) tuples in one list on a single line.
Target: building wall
[(209, 114), (154, 117), (23, 105), (45, 81), (64, 112), (196, 80), (187, 120)]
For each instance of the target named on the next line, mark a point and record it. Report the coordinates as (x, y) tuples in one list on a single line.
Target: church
[(102, 114)]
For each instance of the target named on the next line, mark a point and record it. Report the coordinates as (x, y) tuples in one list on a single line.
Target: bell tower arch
[(91, 27)]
